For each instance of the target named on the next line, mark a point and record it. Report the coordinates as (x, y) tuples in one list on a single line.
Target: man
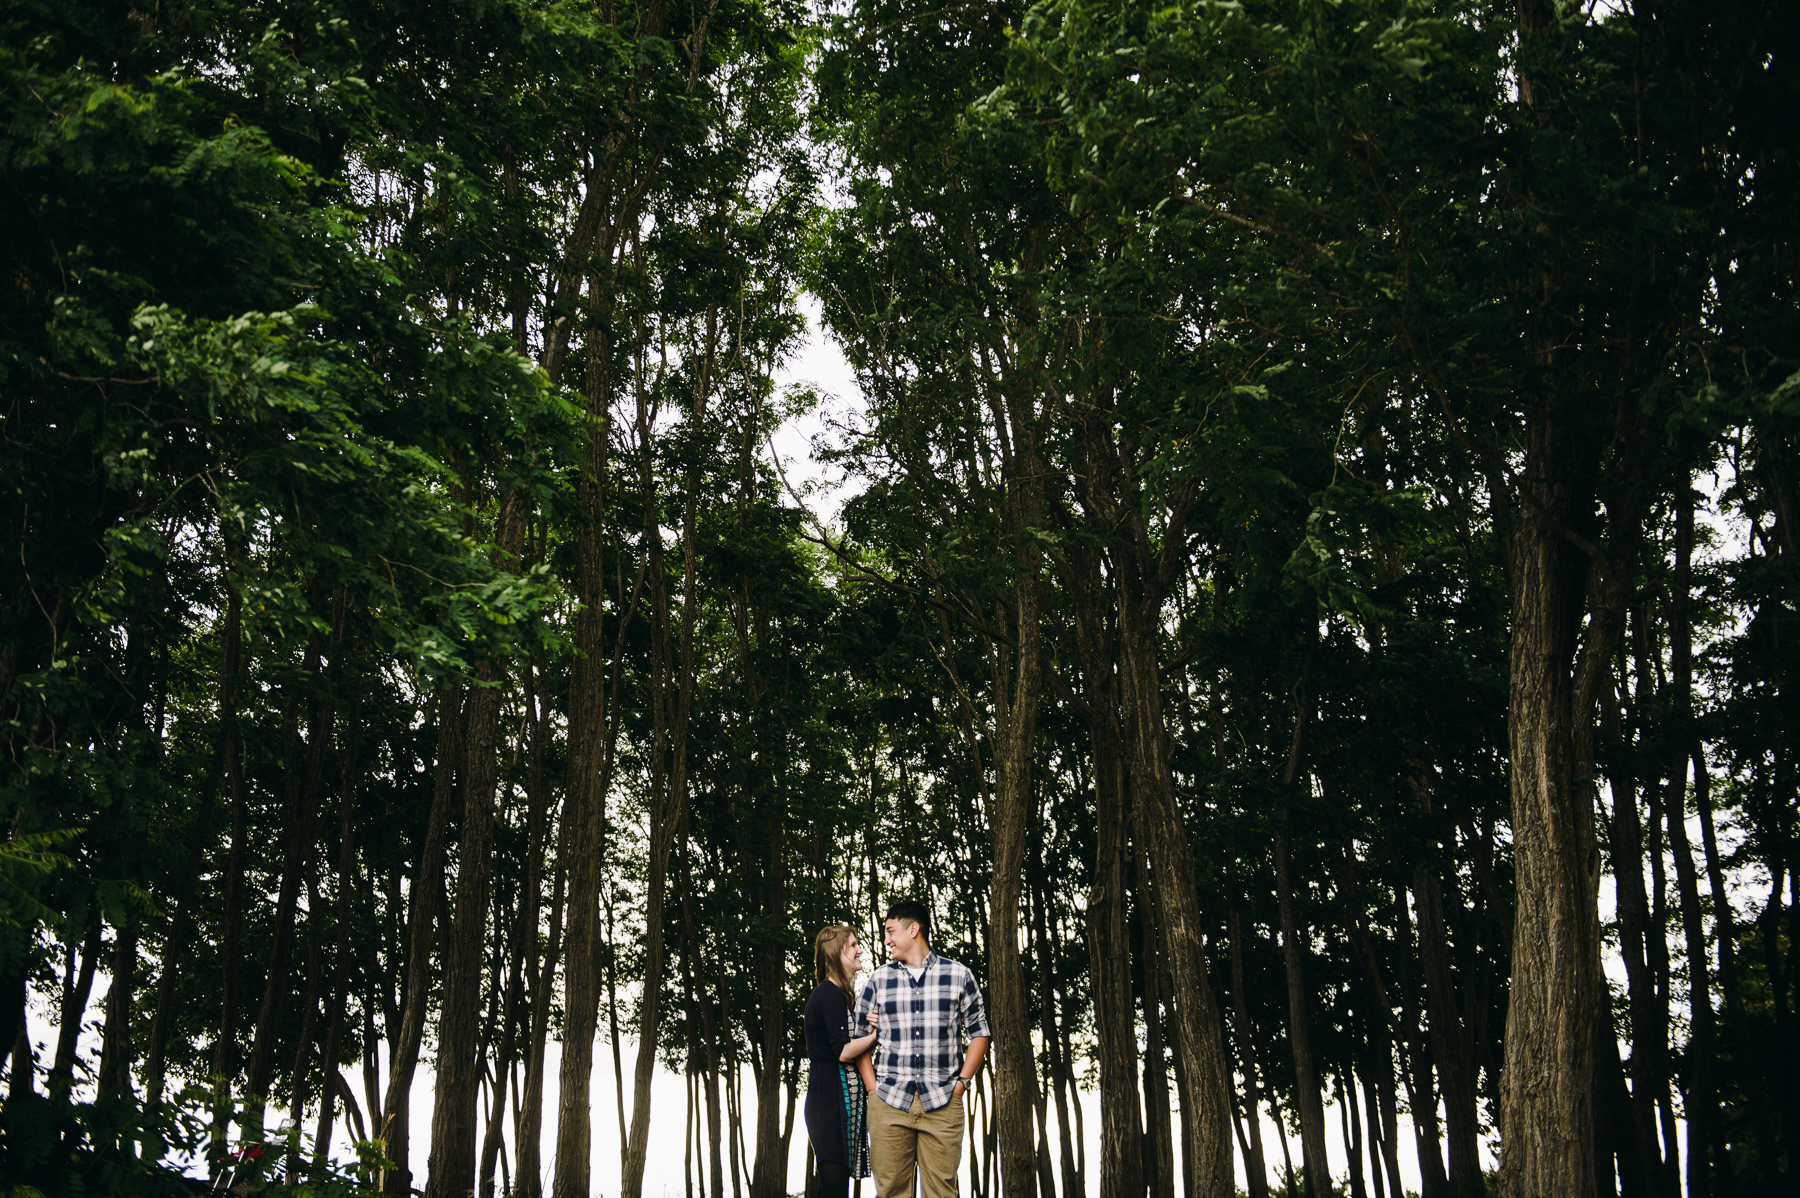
[(923, 1007)]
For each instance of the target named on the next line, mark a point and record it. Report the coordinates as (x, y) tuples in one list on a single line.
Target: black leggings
[(831, 1180)]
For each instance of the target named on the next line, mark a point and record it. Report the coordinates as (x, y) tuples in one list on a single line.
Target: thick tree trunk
[(1547, 1104), (1198, 1035)]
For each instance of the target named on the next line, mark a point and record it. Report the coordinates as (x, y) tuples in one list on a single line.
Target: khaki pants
[(916, 1140)]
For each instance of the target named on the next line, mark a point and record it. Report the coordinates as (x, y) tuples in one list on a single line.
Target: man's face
[(899, 935)]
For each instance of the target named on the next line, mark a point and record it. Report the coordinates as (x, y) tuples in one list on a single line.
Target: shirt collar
[(924, 965)]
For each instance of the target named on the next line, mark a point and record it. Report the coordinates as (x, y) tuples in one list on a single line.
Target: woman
[(836, 1105)]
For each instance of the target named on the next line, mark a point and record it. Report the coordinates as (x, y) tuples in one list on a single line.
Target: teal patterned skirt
[(856, 1120)]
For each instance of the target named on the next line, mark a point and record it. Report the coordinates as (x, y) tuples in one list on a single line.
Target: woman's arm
[(857, 1047), (863, 1045)]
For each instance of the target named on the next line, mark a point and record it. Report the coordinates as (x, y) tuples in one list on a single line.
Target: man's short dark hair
[(907, 911)]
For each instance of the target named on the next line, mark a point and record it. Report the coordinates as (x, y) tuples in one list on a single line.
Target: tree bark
[(1547, 1106)]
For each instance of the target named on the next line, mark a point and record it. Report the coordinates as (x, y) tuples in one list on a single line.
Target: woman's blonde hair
[(828, 958)]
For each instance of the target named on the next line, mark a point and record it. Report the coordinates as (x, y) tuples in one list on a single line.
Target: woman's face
[(851, 957)]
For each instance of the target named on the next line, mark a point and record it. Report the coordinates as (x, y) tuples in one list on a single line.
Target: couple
[(919, 1007)]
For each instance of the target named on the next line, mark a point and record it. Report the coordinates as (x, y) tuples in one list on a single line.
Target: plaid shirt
[(923, 1026)]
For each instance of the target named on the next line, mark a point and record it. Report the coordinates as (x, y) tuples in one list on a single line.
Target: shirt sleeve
[(864, 1004), (974, 1014)]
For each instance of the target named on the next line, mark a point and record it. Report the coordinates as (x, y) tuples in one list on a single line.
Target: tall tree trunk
[(1351, 1124), (1415, 1061), (1017, 677), (543, 976), (113, 1079), (1053, 1039), (225, 1046), (1725, 926), (1451, 1046), (421, 928), (584, 795), (770, 1177), (452, 1169), (78, 984), (1698, 1099), (1256, 1168), (701, 1013), (1309, 1087), (668, 774), (1158, 1147), (525, 931), (1109, 944), (1143, 574), (1547, 1106), (343, 946), (315, 982)]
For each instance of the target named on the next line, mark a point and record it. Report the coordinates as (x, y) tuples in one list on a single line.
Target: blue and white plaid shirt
[(923, 1027)]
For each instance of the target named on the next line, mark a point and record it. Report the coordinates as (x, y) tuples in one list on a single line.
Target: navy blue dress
[(836, 1106)]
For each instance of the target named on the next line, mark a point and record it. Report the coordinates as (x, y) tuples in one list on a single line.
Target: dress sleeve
[(837, 1019)]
